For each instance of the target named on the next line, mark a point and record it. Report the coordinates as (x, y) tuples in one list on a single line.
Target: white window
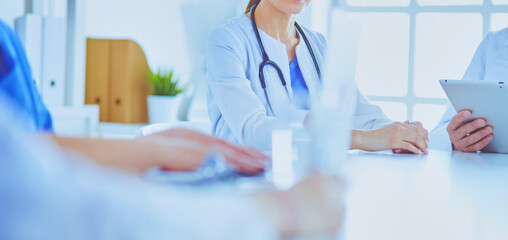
[(409, 45)]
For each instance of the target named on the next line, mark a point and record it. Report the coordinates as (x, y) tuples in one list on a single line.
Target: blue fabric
[(300, 89), (17, 84)]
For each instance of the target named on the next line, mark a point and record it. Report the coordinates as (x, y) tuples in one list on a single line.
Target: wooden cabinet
[(117, 80)]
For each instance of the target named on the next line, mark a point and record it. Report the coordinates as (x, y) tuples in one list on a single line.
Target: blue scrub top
[(17, 83), (300, 89)]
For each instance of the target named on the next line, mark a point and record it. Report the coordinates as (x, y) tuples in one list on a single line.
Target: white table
[(442, 195)]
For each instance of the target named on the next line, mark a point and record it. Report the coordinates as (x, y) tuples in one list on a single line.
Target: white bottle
[(333, 110)]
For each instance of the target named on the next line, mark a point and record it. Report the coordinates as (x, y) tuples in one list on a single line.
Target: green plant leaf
[(164, 83)]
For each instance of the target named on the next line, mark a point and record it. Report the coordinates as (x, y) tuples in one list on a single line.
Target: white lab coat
[(237, 106), (490, 63)]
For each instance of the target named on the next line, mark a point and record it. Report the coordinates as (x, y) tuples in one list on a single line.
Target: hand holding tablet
[(469, 136), (482, 114)]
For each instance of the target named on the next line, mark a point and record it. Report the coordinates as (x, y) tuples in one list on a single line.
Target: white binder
[(29, 30), (53, 60)]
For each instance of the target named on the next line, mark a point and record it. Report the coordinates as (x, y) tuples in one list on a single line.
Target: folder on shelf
[(53, 60), (129, 81), (29, 30), (98, 72), (117, 80)]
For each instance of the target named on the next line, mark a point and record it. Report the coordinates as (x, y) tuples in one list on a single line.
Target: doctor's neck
[(277, 24)]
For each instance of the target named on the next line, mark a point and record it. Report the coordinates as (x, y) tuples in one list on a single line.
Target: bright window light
[(383, 54), (429, 121), (500, 2), (499, 21), (378, 2), (445, 45), (409, 45), (449, 2), (393, 110)]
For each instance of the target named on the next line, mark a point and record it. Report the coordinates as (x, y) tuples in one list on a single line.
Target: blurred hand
[(185, 150), (469, 137), (315, 207), (399, 137)]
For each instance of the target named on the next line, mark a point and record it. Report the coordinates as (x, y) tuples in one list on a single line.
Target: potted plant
[(166, 96)]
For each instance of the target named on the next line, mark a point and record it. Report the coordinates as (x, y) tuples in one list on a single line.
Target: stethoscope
[(268, 62)]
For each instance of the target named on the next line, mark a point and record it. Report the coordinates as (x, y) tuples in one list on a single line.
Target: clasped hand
[(400, 137)]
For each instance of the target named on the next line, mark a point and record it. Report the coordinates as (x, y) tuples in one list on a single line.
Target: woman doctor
[(262, 62)]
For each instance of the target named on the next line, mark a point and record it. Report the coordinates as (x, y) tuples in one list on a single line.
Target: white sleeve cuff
[(439, 139)]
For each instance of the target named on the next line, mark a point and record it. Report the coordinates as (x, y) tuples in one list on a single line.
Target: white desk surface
[(442, 195)]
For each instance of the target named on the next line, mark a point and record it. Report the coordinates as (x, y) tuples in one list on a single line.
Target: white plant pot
[(163, 109)]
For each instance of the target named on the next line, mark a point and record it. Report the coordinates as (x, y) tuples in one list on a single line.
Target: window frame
[(486, 9)]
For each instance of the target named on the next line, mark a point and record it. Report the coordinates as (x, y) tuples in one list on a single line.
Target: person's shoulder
[(501, 35), (314, 36), (494, 41), (230, 30), (2, 24), (5, 31), (7, 50)]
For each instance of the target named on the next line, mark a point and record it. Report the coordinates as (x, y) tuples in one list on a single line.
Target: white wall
[(155, 24), (10, 10)]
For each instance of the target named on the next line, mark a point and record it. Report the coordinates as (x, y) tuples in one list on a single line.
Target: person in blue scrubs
[(49, 194), (455, 131), (300, 89), (243, 110), (17, 84), (176, 149), (46, 194)]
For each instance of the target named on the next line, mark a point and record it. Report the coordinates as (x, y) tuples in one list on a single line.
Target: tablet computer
[(487, 100)]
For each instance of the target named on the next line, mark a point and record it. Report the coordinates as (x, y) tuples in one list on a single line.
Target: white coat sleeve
[(439, 138), (368, 115), (239, 105)]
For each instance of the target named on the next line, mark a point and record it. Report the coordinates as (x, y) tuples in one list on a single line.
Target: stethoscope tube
[(267, 62)]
